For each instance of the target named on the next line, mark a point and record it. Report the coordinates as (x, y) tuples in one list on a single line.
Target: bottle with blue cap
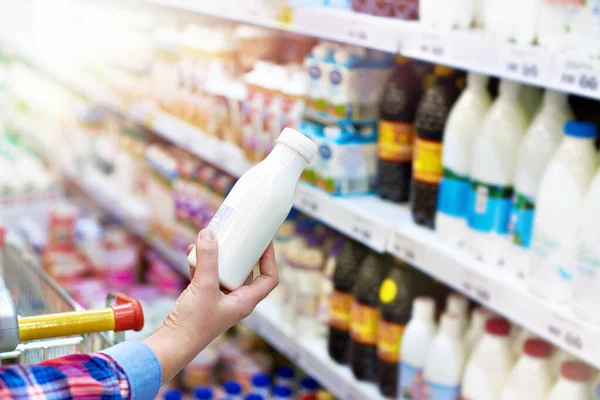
[(559, 213), (282, 393), (203, 393), (284, 376), (255, 396), (233, 390), (308, 388), (173, 394), (261, 384)]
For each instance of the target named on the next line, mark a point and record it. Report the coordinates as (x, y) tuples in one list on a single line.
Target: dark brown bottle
[(365, 316), (340, 302), (397, 112), (400, 287), (427, 159)]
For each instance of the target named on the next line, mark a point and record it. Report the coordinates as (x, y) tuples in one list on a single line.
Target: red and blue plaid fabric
[(79, 376)]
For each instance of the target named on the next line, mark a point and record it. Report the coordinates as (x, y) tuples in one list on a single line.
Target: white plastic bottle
[(458, 306), (553, 23), (492, 175), (558, 212), (476, 330), (531, 378), (445, 361), (519, 339), (490, 363), (574, 382), (586, 301), (256, 207), (416, 343), (526, 21), (541, 140), (459, 136)]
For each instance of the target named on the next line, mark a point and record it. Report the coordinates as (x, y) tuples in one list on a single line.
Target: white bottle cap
[(457, 304), (477, 80), (423, 308), (510, 89), (299, 142), (479, 317), (450, 325)]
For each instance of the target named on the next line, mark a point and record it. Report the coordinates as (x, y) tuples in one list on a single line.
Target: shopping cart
[(40, 321)]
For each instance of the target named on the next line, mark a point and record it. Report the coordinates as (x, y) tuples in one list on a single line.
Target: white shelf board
[(471, 50)]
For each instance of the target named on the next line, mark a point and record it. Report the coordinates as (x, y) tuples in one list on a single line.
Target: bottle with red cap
[(531, 377), (490, 364), (573, 383)]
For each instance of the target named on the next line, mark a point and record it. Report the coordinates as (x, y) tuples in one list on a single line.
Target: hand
[(202, 312)]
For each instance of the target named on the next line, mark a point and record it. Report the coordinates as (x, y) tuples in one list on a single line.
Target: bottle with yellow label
[(430, 121), (365, 313)]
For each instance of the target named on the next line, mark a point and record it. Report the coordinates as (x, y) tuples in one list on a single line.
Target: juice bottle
[(340, 303), (431, 118), (365, 316), (397, 113)]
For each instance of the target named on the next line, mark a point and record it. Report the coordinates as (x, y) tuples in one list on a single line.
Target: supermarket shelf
[(471, 50)]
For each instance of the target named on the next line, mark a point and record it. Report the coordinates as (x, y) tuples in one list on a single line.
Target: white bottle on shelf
[(492, 175), (490, 363), (531, 99), (584, 29), (553, 22), (461, 129), (256, 207), (476, 330), (586, 301), (458, 306), (416, 342), (541, 140), (574, 382), (445, 361), (558, 212), (531, 378), (447, 14), (526, 21), (519, 340)]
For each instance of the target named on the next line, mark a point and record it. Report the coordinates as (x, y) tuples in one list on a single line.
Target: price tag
[(362, 229), (431, 46), (357, 31), (307, 203), (567, 334), (578, 76), (405, 248), (477, 287), (527, 64)]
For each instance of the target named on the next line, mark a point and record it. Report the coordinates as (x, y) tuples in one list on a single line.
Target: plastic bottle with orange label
[(432, 114)]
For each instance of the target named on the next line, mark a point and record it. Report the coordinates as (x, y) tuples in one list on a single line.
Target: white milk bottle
[(574, 382), (526, 21), (531, 378), (553, 23), (492, 175), (476, 330), (558, 212), (531, 99), (586, 302), (584, 33), (445, 361), (415, 346), (519, 340), (459, 135), (540, 142), (458, 306), (490, 363), (256, 207)]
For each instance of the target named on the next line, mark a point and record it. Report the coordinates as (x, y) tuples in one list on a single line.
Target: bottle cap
[(173, 394), (299, 142), (449, 324), (497, 327), (285, 372), (423, 308), (537, 348), (457, 304), (203, 393), (261, 380), (479, 316), (232, 387), (575, 371), (282, 391), (309, 383), (2, 234), (473, 78), (254, 396), (442, 70), (584, 130)]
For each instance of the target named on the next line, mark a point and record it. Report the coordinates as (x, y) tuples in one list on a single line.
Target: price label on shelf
[(432, 46), (578, 77), (405, 248), (357, 32), (531, 65), (307, 202), (478, 287), (567, 334), (368, 232)]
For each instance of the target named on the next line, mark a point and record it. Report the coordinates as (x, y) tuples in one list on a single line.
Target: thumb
[(207, 267)]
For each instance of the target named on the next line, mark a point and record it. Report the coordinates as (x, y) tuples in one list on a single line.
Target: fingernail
[(207, 235)]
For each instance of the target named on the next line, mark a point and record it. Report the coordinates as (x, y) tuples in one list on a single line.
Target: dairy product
[(531, 378), (476, 330), (447, 14), (445, 361), (459, 136), (492, 175), (490, 363), (560, 198), (573, 383), (540, 142), (416, 342), (458, 305), (316, 83), (257, 205), (526, 21), (519, 339)]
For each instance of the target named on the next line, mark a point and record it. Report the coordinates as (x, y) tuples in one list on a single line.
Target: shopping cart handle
[(129, 314)]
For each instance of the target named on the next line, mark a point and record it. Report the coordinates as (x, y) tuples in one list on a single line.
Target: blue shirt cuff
[(141, 366)]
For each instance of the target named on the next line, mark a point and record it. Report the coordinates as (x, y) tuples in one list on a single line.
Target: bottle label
[(395, 142), (521, 221), (388, 291), (222, 215), (427, 165), (454, 194), (442, 392), (489, 207), (340, 307), (412, 384), (363, 326), (389, 340)]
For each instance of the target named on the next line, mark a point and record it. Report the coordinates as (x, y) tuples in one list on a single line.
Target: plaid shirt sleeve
[(79, 376)]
